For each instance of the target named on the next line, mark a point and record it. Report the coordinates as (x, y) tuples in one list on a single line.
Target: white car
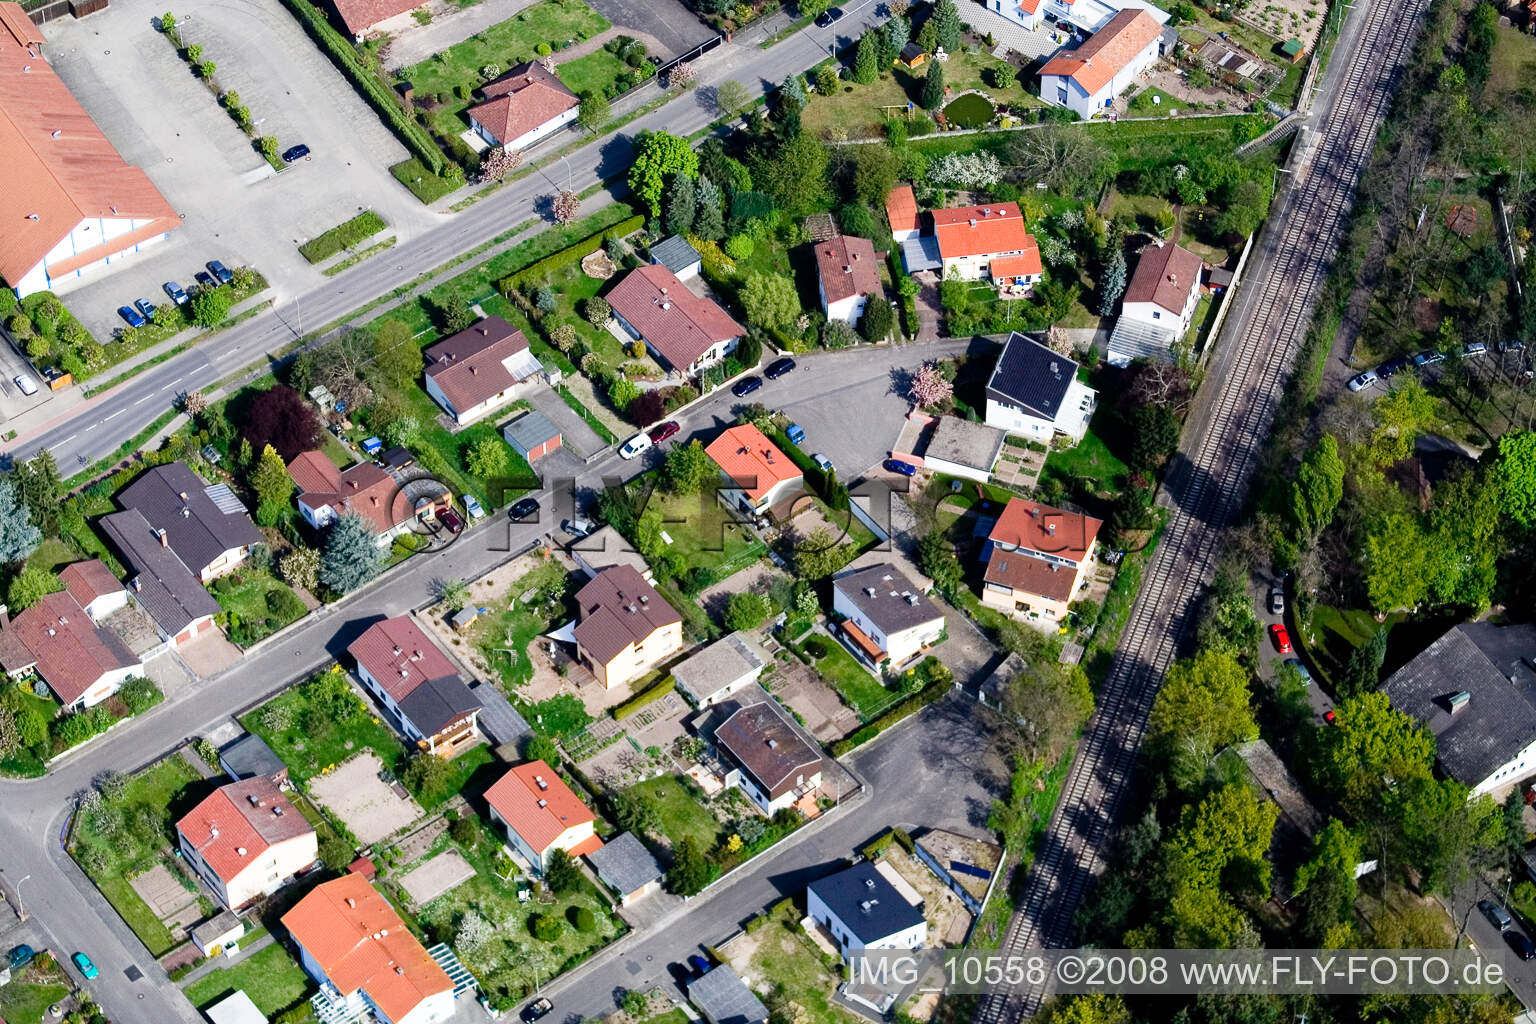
[(1361, 381), (635, 445), (27, 384), (822, 462)]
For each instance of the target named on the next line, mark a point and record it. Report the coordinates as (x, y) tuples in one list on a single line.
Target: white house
[(778, 768), (964, 449), (1159, 305), (1082, 15), (1087, 80), (885, 617), (94, 587), (868, 906), (971, 239), (82, 663), (678, 255), (473, 373), (1034, 392), (684, 331), (416, 683), (720, 670), (246, 840), (540, 815), (847, 275), (901, 210), (325, 492), (522, 106)]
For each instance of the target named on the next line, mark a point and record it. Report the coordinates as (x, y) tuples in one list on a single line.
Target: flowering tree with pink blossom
[(929, 387), (566, 206)]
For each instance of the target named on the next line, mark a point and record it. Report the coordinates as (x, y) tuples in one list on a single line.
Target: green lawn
[(1513, 64), (679, 812), (311, 742), (593, 72), (504, 634), (23, 1003), (859, 108), (1151, 102), (52, 554), (251, 611), (464, 766), (860, 690), (1090, 463), (704, 535), (271, 977), (786, 956)]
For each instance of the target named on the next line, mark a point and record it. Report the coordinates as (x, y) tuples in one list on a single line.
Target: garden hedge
[(342, 236), (906, 707), (647, 696), (571, 253)]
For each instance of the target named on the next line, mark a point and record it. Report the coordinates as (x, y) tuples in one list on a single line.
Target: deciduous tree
[(730, 97), (488, 458), (1515, 470), (1201, 708), (30, 586), (281, 418), (746, 610), (396, 356), (1219, 850), (210, 306), (565, 206), (594, 110), (1371, 746), (689, 467), (1395, 570), (929, 387), (659, 156), (770, 299)]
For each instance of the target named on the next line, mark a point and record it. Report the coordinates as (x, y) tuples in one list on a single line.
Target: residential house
[(540, 815), (760, 475), (1158, 306), (72, 206), (682, 330), (94, 588), (172, 594), (1087, 80), (364, 958), (868, 906), (1071, 15), (360, 18), (624, 626), (1035, 392), (720, 670), (418, 686), (961, 448), (1038, 560), (627, 868), (249, 757), (325, 492), (522, 106), (678, 255), (886, 619), (901, 209), (477, 371), (723, 998), (204, 524), (1475, 690), (246, 840), (972, 238), (533, 435), (848, 275), (82, 663), (778, 768)]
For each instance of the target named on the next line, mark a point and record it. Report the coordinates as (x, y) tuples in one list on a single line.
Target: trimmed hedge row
[(644, 697), (906, 707), (374, 91), (571, 253), (342, 236)]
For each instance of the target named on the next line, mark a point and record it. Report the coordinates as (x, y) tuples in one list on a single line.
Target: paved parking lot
[(234, 208)]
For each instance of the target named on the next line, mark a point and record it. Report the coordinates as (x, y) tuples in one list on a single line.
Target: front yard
[(534, 604), (773, 948), (704, 536), (312, 727), (271, 977), (679, 814), (31, 991), (859, 690), (862, 110), (255, 604)]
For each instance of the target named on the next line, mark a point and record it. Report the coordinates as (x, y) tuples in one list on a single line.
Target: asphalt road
[(96, 428)]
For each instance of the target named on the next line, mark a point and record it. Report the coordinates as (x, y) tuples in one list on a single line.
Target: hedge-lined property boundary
[(906, 708), (571, 254), (342, 236), (647, 696)]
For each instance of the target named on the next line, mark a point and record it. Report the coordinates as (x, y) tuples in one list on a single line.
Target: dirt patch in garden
[(367, 805), (443, 873), (948, 919), (1287, 19), (798, 685), (164, 894)]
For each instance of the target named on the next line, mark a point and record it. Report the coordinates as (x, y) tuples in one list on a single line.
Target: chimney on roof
[(213, 832), (351, 902), (239, 851), (773, 744), (543, 803), (539, 781), (277, 812), (986, 211), (666, 305), (164, 541), (847, 268), (397, 650), (183, 495), (255, 801), (870, 591), (31, 216), (912, 599), (1050, 528), (137, 584), (186, 513), (399, 970), (972, 222), (645, 599)]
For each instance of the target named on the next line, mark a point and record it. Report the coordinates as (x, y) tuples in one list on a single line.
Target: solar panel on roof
[(224, 499)]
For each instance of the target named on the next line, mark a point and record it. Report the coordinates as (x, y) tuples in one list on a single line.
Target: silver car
[(1361, 381)]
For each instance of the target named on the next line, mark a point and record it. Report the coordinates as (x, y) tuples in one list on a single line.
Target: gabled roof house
[(540, 814), (1158, 306), (82, 663), (778, 767), (325, 492), (683, 330), (204, 524), (847, 274), (172, 594), (624, 626), (1087, 80), (359, 17), (525, 104), (480, 369), (416, 683), (1038, 559), (94, 587), (760, 475), (987, 241), (1034, 392), (246, 840)]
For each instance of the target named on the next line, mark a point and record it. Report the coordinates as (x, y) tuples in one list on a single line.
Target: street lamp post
[(21, 908)]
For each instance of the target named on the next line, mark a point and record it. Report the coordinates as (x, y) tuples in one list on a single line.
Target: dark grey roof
[(624, 864), (437, 702), (498, 718), (725, 999), (964, 443), (866, 902), (896, 603), (1030, 375), (171, 593), (719, 665), (921, 253), (674, 253), (249, 756), (175, 499), (1496, 667), (762, 741), (530, 430)]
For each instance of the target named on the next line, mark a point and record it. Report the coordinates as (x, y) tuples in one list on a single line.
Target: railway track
[(1206, 489)]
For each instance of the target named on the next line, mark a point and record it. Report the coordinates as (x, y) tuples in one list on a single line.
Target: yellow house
[(1037, 561), (624, 627)]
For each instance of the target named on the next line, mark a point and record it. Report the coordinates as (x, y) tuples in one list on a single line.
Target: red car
[(449, 518), (661, 431), (1281, 638), (1328, 716)]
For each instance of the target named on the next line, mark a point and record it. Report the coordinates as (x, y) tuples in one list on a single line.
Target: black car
[(534, 1010), (1395, 365), (778, 368), (293, 153), (829, 16), (522, 509), (205, 280), (745, 386), (222, 273), (1518, 942)]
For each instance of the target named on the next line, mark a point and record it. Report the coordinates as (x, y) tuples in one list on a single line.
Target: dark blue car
[(898, 466), (293, 153), (133, 316), (219, 271), (745, 386), (177, 293)]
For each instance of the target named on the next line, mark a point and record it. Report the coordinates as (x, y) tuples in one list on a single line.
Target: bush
[(817, 647), (140, 695), (342, 236), (570, 254), (285, 604), (464, 832), (647, 696), (583, 919), (336, 854), (545, 927)]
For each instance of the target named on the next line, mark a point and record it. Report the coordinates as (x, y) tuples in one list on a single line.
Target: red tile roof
[(679, 324), (364, 488), (521, 100), (70, 652), (237, 823), (1036, 527), (901, 209), (981, 230), (537, 805), (361, 15), (619, 608), (60, 169), (752, 461), (86, 581), (847, 267), (358, 940), (1031, 575), (1165, 275), (1025, 265), (471, 366), (399, 655), (1105, 55)]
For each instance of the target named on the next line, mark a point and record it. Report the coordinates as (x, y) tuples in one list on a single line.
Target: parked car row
[(216, 274), (1428, 357)]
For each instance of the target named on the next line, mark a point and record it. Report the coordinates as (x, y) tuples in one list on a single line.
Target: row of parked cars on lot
[(143, 311), (1420, 360)]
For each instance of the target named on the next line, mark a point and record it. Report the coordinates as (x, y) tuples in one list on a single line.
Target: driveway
[(450, 25), (672, 24), (234, 208)]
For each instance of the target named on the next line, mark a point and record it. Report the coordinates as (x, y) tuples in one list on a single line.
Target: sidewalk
[(209, 966)]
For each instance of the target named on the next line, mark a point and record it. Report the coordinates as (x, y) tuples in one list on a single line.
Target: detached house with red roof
[(325, 492), (55, 640), (849, 275), (426, 698), (683, 330), (624, 627), (1083, 15), (363, 16), (1087, 80), (247, 840), (71, 206), (1158, 306), (363, 957), (540, 815), (523, 106), (94, 588), (760, 475), (482, 368), (1038, 559), (987, 242)]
